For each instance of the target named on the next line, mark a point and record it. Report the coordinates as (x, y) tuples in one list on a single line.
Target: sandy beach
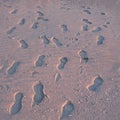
[(60, 60)]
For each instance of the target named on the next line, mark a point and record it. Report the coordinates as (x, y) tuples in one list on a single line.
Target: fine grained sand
[(59, 60)]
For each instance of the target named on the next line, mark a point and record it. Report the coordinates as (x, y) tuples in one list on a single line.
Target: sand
[(59, 60)]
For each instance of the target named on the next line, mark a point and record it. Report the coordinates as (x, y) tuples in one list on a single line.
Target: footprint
[(84, 56), (40, 61), (13, 68), (87, 11), (38, 94), (57, 76), (96, 29), (35, 25), (40, 13), (17, 105), (57, 42), (97, 82), (14, 11), (11, 30), (42, 18), (86, 21), (64, 28), (23, 43), (85, 28), (66, 110), (45, 40), (103, 13), (22, 21), (63, 62), (100, 40)]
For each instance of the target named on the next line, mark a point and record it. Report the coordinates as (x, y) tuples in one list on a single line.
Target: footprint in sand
[(40, 62), (43, 19), (63, 62), (64, 28), (96, 29), (83, 56), (40, 13), (102, 13), (11, 30), (45, 40), (85, 28), (17, 104), (56, 42), (38, 94), (35, 25), (23, 44), (87, 11), (66, 110), (13, 68), (96, 84), (86, 21), (22, 21), (100, 40)]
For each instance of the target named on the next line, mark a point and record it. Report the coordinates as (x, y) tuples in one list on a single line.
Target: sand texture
[(59, 59)]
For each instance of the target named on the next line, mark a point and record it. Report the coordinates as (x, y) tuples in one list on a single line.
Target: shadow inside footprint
[(98, 81), (24, 44), (100, 40), (63, 62), (67, 109), (40, 61), (38, 94), (45, 40), (17, 105), (56, 42), (13, 68), (84, 56)]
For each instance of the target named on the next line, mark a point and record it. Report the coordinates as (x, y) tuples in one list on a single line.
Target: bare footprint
[(64, 28), (11, 30), (23, 44), (45, 40), (83, 56), (13, 68), (14, 11), (38, 94), (17, 104), (96, 84), (62, 63), (66, 110), (22, 21), (40, 62), (100, 40)]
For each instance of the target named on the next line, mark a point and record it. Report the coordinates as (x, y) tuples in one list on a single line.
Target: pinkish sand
[(60, 60)]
